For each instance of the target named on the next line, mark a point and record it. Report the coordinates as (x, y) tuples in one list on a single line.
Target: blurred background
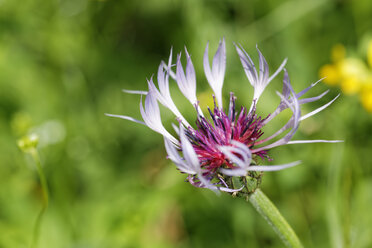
[(64, 63)]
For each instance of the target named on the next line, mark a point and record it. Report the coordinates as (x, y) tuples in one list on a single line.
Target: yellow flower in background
[(366, 94), (369, 54), (350, 85), (366, 99), (351, 74), (330, 73), (347, 72), (353, 67)]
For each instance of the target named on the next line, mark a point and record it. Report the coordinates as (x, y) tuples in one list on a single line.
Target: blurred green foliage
[(63, 64)]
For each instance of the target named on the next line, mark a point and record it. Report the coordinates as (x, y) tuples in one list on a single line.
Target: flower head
[(352, 74), (227, 143)]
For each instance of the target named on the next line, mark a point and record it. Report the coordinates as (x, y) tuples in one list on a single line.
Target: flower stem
[(35, 155), (271, 214)]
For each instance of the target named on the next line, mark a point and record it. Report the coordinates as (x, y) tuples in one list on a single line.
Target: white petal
[(234, 172), (308, 88), (288, 125), (280, 68), (176, 128), (126, 118), (188, 88), (207, 68), (264, 69), (313, 141), (152, 88), (219, 64), (136, 92), (163, 81), (152, 107), (176, 158), (233, 158), (286, 90), (215, 77), (188, 151), (165, 99), (273, 167), (243, 164), (190, 71), (261, 80), (285, 93), (164, 96), (219, 60), (243, 147), (230, 190), (293, 122), (313, 99), (248, 65), (168, 68), (207, 184), (151, 116), (318, 109)]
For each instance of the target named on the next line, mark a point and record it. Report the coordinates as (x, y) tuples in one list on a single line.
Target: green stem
[(44, 186), (271, 214)]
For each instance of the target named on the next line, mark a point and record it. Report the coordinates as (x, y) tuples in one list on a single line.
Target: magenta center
[(243, 127)]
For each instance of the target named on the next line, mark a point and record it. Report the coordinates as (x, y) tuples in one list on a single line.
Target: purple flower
[(229, 142)]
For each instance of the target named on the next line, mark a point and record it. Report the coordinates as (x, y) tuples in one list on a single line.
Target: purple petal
[(264, 69), (313, 99), (308, 88)]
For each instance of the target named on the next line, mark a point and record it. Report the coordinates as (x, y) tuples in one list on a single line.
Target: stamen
[(225, 129)]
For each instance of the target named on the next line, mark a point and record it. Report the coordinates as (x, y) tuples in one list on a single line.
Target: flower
[(352, 74), (228, 144)]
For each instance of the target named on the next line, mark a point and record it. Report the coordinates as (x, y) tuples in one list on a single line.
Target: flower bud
[(28, 143)]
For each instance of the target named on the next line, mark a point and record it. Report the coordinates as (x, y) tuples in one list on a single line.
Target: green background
[(63, 64)]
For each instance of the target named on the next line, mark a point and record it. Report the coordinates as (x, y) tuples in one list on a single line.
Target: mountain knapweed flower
[(228, 144)]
